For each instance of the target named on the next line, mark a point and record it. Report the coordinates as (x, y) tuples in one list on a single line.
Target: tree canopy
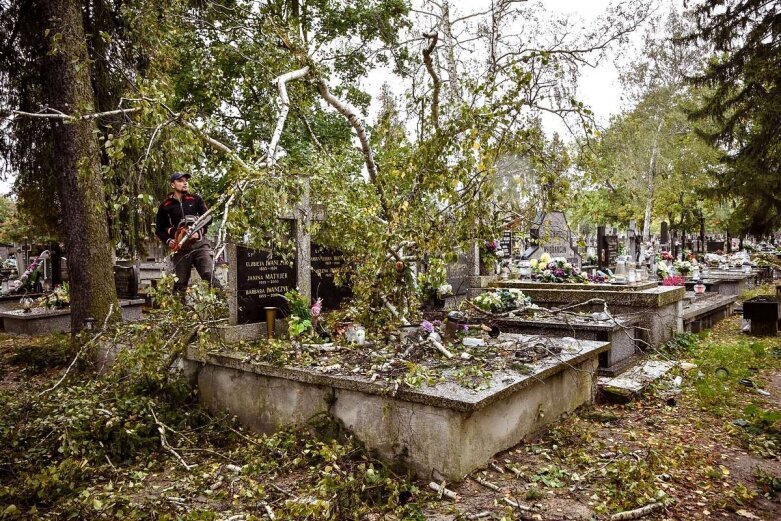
[(743, 105)]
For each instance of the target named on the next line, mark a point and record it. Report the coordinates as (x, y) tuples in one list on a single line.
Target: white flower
[(444, 290)]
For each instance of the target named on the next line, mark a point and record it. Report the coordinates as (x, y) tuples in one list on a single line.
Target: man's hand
[(171, 244)]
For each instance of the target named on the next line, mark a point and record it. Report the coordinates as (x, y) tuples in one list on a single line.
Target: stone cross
[(302, 216), (26, 248)]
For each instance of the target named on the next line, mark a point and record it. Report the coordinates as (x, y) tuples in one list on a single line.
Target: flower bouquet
[(683, 267), (26, 282), (501, 300), (57, 299), (674, 280), (556, 270), (432, 285)]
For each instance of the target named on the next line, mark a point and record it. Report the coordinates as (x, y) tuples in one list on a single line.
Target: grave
[(764, 312), (704, 311), (658, 307), (325, 264), (257, 279), (462, 275), (507, 244), (620, 333), (126, 281), (731, 282), (42, 321), (607, 249), (551, 234), (440, 431)]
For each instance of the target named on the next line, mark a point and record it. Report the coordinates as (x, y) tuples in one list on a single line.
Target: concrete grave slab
[(437, 431), (42, 321)]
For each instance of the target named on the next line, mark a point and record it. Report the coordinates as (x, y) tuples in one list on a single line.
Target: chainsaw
[(186, 232)]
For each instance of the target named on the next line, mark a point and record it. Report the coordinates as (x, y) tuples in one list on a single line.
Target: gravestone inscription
[(611, 250), (261, 279), (507, 244), (554, 237), (325, 265)]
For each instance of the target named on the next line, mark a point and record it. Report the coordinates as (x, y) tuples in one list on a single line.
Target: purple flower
[(491, 246), (427, 326), (559, 272)]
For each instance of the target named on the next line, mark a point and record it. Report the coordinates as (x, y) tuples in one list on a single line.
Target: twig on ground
[(443, 492), (164, 443), (487, 484), (638, 512)]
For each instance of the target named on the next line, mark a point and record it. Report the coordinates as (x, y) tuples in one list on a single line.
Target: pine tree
[(743, 106)]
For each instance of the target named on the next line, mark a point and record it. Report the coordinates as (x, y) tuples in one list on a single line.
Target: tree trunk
[(649, 204), (67, 87), (450, 54)]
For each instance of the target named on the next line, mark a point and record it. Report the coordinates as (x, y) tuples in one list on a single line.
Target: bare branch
[(281, 82), (67, 117), (356, 123)]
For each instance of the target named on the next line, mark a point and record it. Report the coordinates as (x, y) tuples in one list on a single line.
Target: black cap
[(178, 175)]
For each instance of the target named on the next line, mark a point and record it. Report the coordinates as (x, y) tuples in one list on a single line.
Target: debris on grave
[(627, 386)]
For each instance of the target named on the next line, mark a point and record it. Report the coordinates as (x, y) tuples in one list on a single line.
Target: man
[(180, 209)]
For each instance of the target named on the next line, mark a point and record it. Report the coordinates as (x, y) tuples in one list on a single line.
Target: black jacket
[(171, 212)]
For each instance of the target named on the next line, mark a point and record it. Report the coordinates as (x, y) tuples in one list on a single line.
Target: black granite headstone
[(611, 250), (261, 280), (506, 243), (325, 262), (601, 247), (126, 281), (665, 235)]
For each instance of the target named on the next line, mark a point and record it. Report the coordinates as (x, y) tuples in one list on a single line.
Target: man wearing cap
[(180, 209)]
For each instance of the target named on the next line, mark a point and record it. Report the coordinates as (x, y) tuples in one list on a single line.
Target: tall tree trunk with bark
[(67, 87), (649, 203)]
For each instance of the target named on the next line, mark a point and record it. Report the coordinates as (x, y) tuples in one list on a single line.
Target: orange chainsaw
[(188, 231)]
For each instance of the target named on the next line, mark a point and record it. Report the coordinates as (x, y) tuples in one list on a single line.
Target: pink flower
[(317, 307)]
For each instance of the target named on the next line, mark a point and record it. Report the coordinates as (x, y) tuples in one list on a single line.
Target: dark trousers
[(202, 257)]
